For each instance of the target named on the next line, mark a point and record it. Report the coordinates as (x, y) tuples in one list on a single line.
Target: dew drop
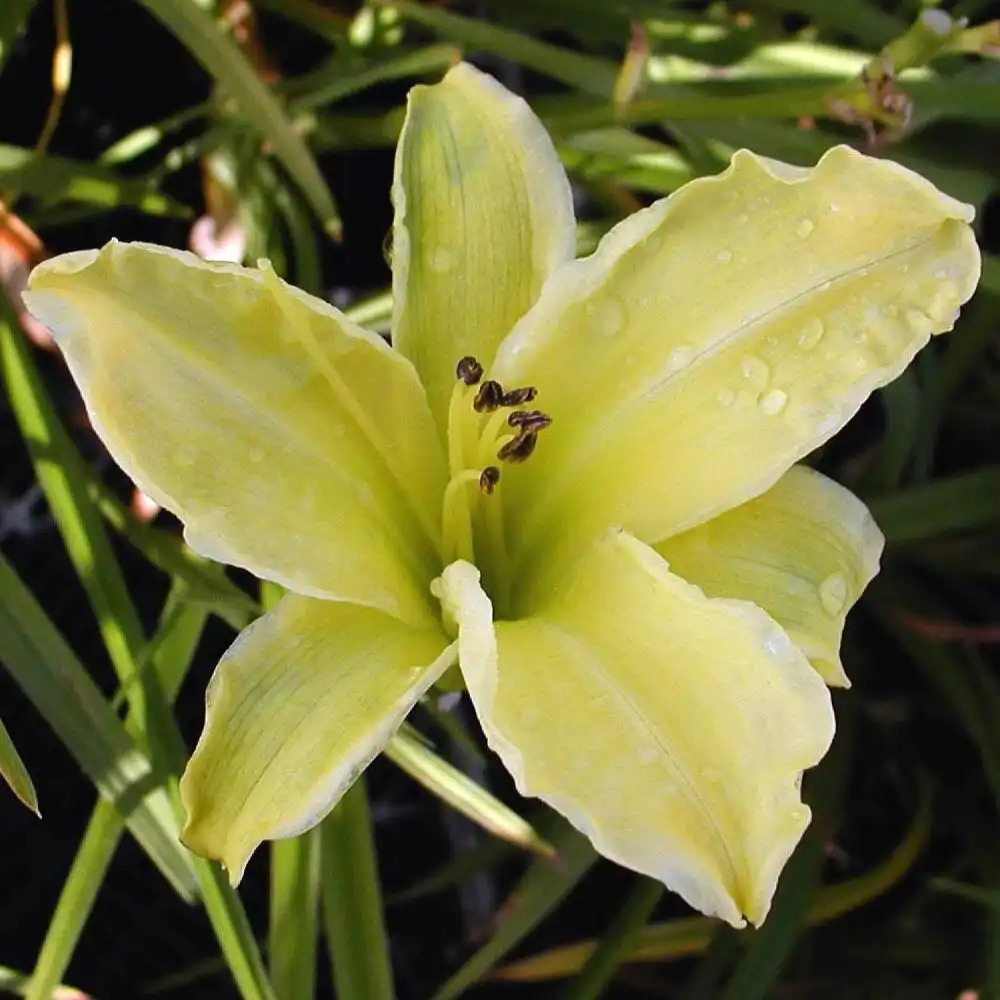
[(442, 260), (754, 370), (833, 594), (774, 402), (680, 357), (647, 755), (725, 397), (256, 455), (919, 322), (742, 219), (834, 207), (940, 274), (605, 316), (860, 338), (811, 334), (804, 228), (724, 256)]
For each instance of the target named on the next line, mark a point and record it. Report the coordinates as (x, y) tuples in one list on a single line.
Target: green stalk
[(352, 902)]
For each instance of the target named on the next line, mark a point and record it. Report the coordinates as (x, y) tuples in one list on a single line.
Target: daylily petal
[(484, 214), (289, 440), (670, 727), (804, 551), (297, 709), (720, 335)]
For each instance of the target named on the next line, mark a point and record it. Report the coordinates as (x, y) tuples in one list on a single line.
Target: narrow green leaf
[(76, 900), (14, 772), (612, 949), (352, 902), (460, 792), (51, 676), (293, 928), (901, 400), (218, 54), (57, 179), (333, 82), (958, 503), (587, 73), (540, 891)]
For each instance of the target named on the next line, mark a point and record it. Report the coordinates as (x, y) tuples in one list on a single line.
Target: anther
[(469, 370), (518, 397), (488, 479), (490, 397), (519, 448), (529, 420)]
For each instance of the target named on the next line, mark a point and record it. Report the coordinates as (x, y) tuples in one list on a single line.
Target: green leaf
[(54, 680), (57, 179), (540, 891), (14, 772), (293, 929), (218, 54), (460, 792), (352, 902), (958, 503)]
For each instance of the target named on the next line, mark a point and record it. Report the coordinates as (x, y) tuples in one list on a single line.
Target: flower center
[(487, 424)]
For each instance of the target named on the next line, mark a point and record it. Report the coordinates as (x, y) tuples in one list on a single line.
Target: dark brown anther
[(529, 420), (519, 448), (488, 479), (469, 370), (490, 397), (518, 397)]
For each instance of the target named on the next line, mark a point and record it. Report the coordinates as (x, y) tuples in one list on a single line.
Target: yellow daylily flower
[(576, 477)]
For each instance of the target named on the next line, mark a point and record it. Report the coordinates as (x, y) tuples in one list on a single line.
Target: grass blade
[(460, 792), (51, 676), (13, 771), (611, 950), (352, 902), (218, 54), (539, 892), (293, 930)]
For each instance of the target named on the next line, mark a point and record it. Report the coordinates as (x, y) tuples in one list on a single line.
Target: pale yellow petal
[(484, 214), (804, 551), (297, 709), (669, 727), (289, 440), (722, 334)]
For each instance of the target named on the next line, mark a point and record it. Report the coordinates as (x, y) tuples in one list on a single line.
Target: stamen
[(518, 448), (518, 397), (488, 479), (529, 420), (469, 370), (490, 397)]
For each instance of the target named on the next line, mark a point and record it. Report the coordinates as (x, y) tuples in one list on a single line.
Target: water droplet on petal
[(606, 316), (256, 455), (724, 256), (919, 322), (442, 260), (860, 337), (940, 274), (811, 334), (754, 370), (833, 594), (774, 402), (804, 228), (680, 357), (742, 219), (647, 755), (725, 397), (834, 207)]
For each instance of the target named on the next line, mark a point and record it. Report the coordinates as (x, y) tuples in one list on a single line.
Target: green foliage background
[(895, 891)]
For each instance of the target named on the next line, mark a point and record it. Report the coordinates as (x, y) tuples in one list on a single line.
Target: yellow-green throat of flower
[(487, 424)]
